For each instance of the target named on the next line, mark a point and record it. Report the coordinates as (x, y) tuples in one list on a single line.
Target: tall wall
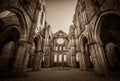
[(47, 46), (87, 18), (59, 51), (21, 21), (72, 46)]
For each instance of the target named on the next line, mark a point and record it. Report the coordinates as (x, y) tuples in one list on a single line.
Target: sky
[(60, 14)]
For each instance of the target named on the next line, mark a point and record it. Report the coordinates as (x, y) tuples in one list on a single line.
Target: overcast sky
[(60, 14)]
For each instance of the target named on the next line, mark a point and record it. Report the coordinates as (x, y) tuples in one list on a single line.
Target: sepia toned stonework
[(27, 42), (97, 25), (59, 53), (20, 37)]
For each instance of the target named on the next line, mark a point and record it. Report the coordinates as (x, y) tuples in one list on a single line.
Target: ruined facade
[(21, 23), (72, 47), (97, 25), (47, 47), (59, 53), (26, 40)]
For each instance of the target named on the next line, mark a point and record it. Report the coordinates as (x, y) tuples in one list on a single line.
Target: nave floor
[(66, 74)]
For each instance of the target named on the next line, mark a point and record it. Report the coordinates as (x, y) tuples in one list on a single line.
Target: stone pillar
[(73, 57), (95, 63), (99, 59), (20, 54), (27, 55), (40, 60), (69, 58), (26, 59), (83, 61), (73, 61), (47, 56), (31, 52), (102, 59), (37, 60), (94, 58)]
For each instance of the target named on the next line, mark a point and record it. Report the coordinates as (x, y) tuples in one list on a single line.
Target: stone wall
[(20, 19), (88, 14)]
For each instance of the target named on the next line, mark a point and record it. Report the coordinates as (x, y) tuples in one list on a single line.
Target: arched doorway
[(36, 56), (8, 48), (86, 54), (109, 35), (11, 40)]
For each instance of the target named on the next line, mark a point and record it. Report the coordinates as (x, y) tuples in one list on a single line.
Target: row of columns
[(97, 57), (22, 58)]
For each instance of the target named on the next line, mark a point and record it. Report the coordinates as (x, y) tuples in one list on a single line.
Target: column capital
[(96, 43), (40, 51), (99, 44), (22, 42)]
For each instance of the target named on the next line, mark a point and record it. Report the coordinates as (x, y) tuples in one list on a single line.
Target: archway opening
[(87, 54), (33, 62), (109, 34), (8, 48)]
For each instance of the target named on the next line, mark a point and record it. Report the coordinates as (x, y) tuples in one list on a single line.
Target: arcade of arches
[(92, 44)]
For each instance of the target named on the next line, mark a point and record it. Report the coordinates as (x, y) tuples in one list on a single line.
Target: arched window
[(63, 48), (60, 48), (65, 58), (55, 58), (60, 58), (77, 57), (56, 47)]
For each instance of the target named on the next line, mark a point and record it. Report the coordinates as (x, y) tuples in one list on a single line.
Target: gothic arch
[(83, 39), (8, 46), (38, 42), (106, 30), (84, 42), (86, 51), (10, 34), (85, 60), (21, 17), (36, 57), (99, 22)]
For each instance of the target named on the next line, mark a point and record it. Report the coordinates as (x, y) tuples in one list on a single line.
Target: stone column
[(73, 61), (99, 59), (20, 54), (47, 56), (27, 55), (94, 58), (38, 60), (95, 63), (69, 58), (73, 57), (83, 61), (102, 59)]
